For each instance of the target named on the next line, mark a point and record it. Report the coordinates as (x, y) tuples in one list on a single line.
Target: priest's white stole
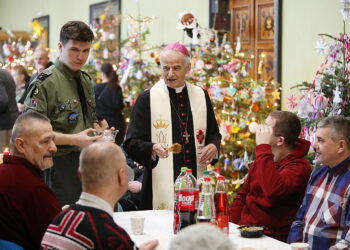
[(161, 129)]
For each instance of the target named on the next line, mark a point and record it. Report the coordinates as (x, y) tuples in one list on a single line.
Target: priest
[(170, 112)]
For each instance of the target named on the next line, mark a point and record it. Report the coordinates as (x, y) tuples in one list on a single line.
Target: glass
[(109, 135)]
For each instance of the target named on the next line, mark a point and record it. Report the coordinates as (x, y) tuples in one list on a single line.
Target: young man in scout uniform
[(65, 95)]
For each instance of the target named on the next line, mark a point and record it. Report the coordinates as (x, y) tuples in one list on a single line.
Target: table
[(159, 225)]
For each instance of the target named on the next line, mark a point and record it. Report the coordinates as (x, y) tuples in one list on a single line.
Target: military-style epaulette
[(86, 74), (43, 75)]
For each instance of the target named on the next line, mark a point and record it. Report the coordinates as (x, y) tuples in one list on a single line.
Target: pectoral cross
[(186, 135)]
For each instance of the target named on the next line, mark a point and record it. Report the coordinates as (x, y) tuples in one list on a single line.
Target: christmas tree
[(106, 46), (238, 101), (328, 93), (127, 56)]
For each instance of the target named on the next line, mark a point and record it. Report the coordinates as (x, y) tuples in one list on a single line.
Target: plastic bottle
[(200, 182), (178, 180), (206, 206), (221, 205), (187, 199)]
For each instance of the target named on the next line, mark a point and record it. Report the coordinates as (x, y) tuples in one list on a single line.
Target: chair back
[(8, 245)]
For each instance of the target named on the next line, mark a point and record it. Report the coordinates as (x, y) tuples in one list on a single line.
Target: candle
[(6, 151)]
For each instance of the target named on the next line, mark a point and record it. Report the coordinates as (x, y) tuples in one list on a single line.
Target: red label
[(187, 200), (222, 223)]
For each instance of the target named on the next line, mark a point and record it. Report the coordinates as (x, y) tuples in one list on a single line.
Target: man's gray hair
[(201, 236), (187, 58), (339, 128), (22, 123)]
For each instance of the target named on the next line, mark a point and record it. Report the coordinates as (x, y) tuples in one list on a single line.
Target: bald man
[(104, 176), (27, 204)]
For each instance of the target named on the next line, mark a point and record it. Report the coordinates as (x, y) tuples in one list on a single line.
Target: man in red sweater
[(277, 179), (27, 204)]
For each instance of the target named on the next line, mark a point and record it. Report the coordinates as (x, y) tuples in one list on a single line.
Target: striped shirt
[(323, 220)]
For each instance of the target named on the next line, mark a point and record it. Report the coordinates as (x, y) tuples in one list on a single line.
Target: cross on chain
[(186, 135)]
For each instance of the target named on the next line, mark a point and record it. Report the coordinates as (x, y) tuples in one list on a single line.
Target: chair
[(8, 245)]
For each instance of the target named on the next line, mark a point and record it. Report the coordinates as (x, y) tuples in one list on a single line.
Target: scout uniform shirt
[(55, 93)]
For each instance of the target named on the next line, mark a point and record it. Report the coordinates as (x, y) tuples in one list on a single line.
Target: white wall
[(302, 21), (18, 14)]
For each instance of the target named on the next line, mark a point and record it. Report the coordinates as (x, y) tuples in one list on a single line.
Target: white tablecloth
[(159, 225)]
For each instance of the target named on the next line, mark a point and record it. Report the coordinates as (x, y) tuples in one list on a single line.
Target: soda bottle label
[(176, 223), (187, 200), (222, 222)]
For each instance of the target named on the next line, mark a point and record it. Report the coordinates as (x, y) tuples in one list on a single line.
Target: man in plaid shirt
[(323, 220)]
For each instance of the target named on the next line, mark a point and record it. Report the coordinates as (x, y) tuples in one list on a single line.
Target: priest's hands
[(207, 155), (160, 149)]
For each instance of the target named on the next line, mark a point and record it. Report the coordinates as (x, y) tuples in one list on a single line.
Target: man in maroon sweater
[(277, 179), (27, 205)]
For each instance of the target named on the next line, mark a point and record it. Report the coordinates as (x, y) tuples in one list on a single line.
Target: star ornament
[(321, 47), (276, 95)]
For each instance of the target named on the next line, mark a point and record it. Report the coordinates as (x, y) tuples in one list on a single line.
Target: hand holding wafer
[(175, 148)]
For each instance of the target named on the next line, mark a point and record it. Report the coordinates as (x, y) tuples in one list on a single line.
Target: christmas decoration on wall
[(188, 22), (106, 46), (16, 53), (328, 94)]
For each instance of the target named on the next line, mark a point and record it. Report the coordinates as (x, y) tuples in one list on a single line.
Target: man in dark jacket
[(277, 179), (8, 107)]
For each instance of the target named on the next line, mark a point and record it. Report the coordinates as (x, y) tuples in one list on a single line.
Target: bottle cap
[(221, 178), (206, 178), (205, 172), (183, 169), (188, 170)]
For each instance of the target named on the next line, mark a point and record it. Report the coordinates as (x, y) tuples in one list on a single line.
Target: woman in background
[(21, 77), (109, 101)]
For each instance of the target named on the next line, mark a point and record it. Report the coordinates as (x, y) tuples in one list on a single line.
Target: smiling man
[(323, 220), (27, 205), (172, 111), (64, 93)]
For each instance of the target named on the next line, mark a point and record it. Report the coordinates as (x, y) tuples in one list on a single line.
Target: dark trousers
[(63, 179)]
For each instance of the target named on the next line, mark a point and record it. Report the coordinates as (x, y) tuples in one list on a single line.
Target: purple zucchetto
[(177, 47)]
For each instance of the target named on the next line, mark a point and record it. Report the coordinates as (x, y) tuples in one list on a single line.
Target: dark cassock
[(165, 115)]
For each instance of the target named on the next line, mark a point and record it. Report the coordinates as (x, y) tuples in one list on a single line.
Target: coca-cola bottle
[(176, 198), (221, 205), (187, 199), (206, 206)]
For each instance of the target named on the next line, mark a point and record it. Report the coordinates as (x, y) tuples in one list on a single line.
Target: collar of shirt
[(341, 167), (61, 66), (179, 89), (91, 200)]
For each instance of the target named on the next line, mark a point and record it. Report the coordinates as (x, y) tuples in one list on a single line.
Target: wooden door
[(253, 21)]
